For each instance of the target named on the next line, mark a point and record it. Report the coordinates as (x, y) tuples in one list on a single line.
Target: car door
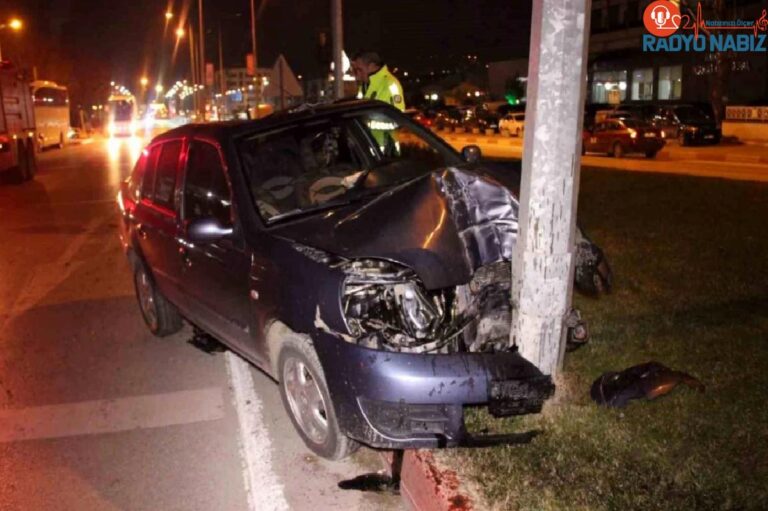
[(595, 141), (156, 220), (215, 275)]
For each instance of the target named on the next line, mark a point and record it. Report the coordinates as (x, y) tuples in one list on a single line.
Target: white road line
[(261, 485), (47, 277), (111, 415)]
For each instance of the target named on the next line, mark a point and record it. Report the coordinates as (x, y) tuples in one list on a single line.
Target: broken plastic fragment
[(649, 380)]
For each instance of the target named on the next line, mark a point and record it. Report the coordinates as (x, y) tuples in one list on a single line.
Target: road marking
[(45, 278), (111, 415), (261, 485)]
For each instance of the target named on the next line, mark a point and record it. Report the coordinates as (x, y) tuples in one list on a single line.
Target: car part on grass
[(649, 381), (577, 330)]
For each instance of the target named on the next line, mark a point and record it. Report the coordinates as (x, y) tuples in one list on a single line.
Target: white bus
[(51, 104), (123, 115)]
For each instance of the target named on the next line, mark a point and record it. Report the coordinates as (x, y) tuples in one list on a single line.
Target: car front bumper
[(403, 400)]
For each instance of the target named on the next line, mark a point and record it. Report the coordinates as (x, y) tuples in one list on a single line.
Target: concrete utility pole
[(542, 279), (337, 20)]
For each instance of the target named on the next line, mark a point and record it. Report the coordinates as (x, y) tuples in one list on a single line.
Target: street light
[(168, 15), (144, 81), (14, 24), (158, 88), (180, 32)]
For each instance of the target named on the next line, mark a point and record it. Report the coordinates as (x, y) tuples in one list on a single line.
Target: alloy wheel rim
[(305, 400), (147, 300)]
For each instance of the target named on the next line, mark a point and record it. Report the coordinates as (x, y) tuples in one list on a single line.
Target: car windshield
[(690, 114), (330, 161)]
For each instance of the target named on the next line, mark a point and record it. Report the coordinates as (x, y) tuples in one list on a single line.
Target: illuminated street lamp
[(144, 81), (180, 32), (158, 88), (14, 24), (168, 15)]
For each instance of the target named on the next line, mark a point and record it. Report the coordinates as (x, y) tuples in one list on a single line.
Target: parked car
[(618, 137), (350, 254), (513, 124), (426, 119), (480, 120), (689, 124), (448, 119)]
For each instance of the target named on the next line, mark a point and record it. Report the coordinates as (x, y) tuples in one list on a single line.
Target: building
[(280, 88), (619, 71)]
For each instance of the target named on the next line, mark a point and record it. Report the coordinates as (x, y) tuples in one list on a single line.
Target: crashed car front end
[(421, 325)]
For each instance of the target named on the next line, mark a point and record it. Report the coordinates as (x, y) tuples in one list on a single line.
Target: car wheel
[(618, 150), (681, 139), (31, 159), (306, 399), (160, 316), (650, 154)]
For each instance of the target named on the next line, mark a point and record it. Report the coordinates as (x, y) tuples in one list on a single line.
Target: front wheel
[(160, 316), (306, 399)]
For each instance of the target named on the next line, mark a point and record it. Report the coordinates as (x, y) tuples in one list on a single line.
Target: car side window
[(167, 167), (150, 171), (206, 192), (136, 177)]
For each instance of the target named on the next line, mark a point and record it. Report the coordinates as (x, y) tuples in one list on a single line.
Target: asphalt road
[(96, 413)]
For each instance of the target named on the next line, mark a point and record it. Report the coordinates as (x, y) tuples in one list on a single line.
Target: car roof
[(225, 129)]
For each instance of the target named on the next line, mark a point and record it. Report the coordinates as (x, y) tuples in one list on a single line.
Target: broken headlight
[(387, 307)]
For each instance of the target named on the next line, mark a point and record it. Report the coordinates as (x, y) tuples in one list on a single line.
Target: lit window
[(670, 82), (642, 84), (607, 86)]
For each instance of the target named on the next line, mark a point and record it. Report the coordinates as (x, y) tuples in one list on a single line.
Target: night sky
[(82, 42)]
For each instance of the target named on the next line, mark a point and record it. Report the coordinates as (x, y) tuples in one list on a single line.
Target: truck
[(17, 125)]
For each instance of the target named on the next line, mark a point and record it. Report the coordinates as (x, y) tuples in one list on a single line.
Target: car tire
[(307, 401), (650, 154), (161, 316), (31, 159)]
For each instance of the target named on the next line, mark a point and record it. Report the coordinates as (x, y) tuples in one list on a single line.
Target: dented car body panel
[(398, 271)]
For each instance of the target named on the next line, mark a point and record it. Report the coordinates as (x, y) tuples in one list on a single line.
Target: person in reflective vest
[(375, 81)]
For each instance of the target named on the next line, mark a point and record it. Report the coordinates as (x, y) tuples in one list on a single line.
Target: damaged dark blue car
[(350, 254)]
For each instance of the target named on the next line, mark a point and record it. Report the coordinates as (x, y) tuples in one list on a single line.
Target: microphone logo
[(662, 18)]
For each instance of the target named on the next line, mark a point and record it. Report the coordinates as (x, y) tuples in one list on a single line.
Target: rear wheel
[(306, 399), (618, 150), (160, 316)]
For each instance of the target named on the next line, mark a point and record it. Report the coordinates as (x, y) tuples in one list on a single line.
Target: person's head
[(365, 63)]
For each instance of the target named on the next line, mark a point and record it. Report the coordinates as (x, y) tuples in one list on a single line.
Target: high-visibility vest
[(383, 86)]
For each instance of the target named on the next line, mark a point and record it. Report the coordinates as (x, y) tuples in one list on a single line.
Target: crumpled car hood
[(444, 225)]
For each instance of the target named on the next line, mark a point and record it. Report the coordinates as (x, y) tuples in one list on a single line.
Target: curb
[(427, 487)]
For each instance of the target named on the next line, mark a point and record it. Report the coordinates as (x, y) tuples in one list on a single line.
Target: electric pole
[(202, 67), (543, 262), (257, 89), (337, 20)]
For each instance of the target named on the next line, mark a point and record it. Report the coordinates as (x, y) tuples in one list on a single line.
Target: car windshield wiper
[(299, 212)]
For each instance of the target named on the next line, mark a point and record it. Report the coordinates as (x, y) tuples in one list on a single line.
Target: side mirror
[(471, 154), (204, 231)]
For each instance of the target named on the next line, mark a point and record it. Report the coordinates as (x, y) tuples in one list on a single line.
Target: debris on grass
[(649, 381)]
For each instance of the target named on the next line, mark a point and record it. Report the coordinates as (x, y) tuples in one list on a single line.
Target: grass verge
[(690, 258)]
